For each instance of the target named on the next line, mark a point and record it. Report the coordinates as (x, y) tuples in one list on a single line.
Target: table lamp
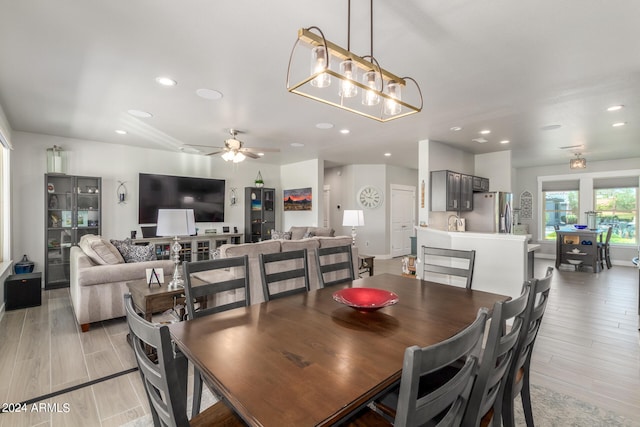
[(176, 222), (353, 219)]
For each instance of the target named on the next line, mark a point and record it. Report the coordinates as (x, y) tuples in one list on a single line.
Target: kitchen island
[(503, 261)]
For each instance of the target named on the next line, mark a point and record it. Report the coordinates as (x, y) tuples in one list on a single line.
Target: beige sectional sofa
[(97, 289), (253, 250)]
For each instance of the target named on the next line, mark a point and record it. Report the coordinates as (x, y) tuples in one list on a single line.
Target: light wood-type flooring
[(588, 348)]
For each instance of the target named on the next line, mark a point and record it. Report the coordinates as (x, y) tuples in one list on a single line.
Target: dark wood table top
[(307, 360)]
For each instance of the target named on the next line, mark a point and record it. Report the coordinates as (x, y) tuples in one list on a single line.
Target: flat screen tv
[(204, 195)]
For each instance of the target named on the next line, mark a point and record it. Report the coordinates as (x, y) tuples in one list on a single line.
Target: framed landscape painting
[(298, 199)]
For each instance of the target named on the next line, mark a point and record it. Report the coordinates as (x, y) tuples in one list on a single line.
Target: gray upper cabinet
[(480, 184), (451, 191)]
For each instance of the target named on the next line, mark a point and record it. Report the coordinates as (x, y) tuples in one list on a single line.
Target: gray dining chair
[(211, 287), (604, 250), (445, 403), (485, 402), (518, 375), (164, 376), (288, 271), (335, 265), (438, 262)]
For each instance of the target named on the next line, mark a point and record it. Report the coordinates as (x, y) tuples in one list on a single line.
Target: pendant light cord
[(349, 26), (371, 17)]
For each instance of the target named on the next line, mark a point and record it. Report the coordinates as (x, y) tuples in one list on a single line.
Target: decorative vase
[(24, 266)]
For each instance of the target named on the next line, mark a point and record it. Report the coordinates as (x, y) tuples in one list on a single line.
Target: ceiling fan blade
[(250, 155), (207, 146), (215, 152), (260, 150)]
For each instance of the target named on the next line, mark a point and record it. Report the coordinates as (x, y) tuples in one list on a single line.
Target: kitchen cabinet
[(480, 184), (259, 213), (73, 206), (451, 191)]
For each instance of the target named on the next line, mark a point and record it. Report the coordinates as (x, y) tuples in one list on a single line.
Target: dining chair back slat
[(448, 262), (279, 283), (165, 381), (451, 397), (518, 375), (217, 290), (485, 403), (335, 265)]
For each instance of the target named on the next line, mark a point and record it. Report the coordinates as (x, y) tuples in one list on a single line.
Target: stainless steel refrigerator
[(492, 213)]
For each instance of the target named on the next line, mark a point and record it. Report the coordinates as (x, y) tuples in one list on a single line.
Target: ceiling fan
[(235, 151)]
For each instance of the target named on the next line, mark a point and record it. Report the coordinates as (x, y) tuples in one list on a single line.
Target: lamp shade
[(176, 222), (353, 218)]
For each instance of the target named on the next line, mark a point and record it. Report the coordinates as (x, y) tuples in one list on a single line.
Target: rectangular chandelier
[(338, 77), (578, 162)]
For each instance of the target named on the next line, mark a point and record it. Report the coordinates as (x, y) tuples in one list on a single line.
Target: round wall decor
[(369, 197)]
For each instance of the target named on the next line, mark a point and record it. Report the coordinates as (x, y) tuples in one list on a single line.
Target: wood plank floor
[(588, 347)]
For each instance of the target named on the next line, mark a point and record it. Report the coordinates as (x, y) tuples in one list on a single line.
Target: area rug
[(550, 409)]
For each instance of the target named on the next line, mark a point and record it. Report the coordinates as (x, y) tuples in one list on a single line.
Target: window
[(560, 208), (618, 208), (561, 205)]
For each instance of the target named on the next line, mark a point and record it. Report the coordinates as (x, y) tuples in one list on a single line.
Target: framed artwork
[(299, 199), (67, 221), (82, 218)]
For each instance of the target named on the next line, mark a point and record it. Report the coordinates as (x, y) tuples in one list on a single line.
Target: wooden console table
[(578, 248)]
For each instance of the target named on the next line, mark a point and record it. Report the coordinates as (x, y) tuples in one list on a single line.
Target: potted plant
[(259, 182)]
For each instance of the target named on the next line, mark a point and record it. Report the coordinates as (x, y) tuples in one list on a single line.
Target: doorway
[(403, 211)]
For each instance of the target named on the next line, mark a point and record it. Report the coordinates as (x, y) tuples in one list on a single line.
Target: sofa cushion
[(297, 233), (327, 242), (135, 253), (100, 250), (296, 245), (321, 231)]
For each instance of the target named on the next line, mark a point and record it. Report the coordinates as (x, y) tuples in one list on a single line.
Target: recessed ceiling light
[(324, 125), (617, 125), (615, 108), (209, 94), (505, 141), (387, 154), (140, 113), (121, 132), (550, 127), (455, 128), (345, 131), (485, 132), (166, 81), (297, 144)]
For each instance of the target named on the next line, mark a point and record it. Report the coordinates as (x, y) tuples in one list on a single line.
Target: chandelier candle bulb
[(349, 71), (319, 63)]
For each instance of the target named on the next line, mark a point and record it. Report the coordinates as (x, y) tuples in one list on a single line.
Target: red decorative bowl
[(365, 299)]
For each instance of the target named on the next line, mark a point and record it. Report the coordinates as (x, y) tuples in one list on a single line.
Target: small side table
[(365, 264), (23, 290), (153, 299)]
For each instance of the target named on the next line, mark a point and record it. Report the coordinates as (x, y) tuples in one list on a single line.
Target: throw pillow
[(135, 253), (297, 233), (308, 234), (100, 250), (280, 235), (324, 232)]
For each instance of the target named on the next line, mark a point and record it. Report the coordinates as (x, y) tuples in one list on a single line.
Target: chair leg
[(607, 257), (508, 417), (197, 392), (525, 395)]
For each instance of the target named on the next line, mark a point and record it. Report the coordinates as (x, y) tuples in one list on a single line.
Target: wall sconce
[(233, 196), (56, 160), (122, 192)]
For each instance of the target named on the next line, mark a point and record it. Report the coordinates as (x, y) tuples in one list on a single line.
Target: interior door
[(403, 209)]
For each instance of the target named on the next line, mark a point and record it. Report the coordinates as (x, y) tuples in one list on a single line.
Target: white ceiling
[(73, 68)]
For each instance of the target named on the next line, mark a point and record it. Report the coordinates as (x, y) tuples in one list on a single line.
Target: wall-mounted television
[(204, 195)]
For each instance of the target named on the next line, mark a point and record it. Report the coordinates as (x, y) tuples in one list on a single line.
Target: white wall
[(303, 175), (497, 167), (114, 163)]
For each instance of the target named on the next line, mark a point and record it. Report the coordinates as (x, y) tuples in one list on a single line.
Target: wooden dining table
[(307, 360)]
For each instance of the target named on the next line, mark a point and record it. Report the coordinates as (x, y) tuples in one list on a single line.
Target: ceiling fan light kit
[(235, 151), (385, 96)]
